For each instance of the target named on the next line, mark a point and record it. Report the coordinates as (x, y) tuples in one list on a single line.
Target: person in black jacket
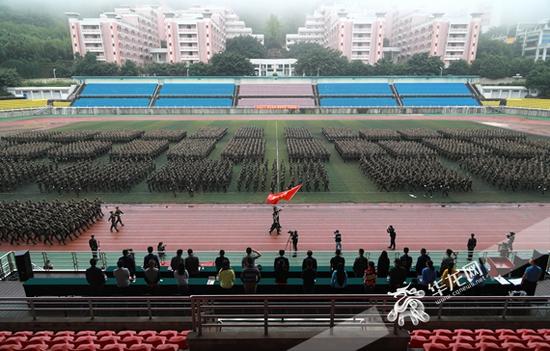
[(472, 243), (309, 259), (221, 261), (150, 256), (192, 263), (421, 262), (383, 266), (397, 275), (360, 264), (281, 267), (95, 277), (128, 262), (94, 246), (406, 260), (337, 260), (309, 273), (393, 234), (176, 260)]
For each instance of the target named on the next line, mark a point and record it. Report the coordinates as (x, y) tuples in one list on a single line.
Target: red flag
[(284, 195)]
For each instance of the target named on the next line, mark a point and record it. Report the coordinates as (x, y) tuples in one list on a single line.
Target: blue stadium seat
[(111, 102), (357, 102), (197, 89), (194, 102), (418, 89), (119, 89), (357, 89), (439, 101)]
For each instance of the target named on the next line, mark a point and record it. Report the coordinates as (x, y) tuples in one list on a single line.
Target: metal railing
[(7, 265), (92, 307), (330, 311)]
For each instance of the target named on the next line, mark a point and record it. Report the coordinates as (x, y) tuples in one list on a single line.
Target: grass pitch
[(347, 183)]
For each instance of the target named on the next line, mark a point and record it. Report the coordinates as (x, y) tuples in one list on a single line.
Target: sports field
[(347, 183)]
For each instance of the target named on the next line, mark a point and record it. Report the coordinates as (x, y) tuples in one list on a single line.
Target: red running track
[(234, 227)]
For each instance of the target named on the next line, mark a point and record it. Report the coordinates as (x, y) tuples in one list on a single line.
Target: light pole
[(318, 69), (440, 71), (54, 77), (187, 71)]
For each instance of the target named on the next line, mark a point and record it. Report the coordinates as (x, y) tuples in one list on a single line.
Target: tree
[(247, 46), (386, 67), (129, 68), (539, 78), (201, 69), (230, 64), (521, 66), (8, 78), (458, 68), (425, 65), (491, 66), (358, 68), (321, 62), (274, 36)]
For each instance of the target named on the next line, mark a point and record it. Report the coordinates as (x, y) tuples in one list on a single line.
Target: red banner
[(284, 195)]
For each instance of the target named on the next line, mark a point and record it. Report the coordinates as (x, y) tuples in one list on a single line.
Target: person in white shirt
[(122, 276), (182, 279)]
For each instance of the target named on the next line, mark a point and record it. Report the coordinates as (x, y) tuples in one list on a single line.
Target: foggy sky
[(502, 11)]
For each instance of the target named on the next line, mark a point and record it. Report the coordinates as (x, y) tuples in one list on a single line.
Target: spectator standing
[(406, 261), (95, 277), (337, 260), (309, 273), (250, 276), (471, 245), (122, 275), (152, 275), (192, 263), (309, 259), (339, 278), (397, 275), (447, 277), (447, 261), (392, 234), (281, 268), (360, 264), (182, 279), (383, 266), (161, 250), (428, 275), (221, 261), (250, 254), (421, 262), (369, 278), (128, 262), (226, 276), (150, 256), (531, 277), (176, 260)]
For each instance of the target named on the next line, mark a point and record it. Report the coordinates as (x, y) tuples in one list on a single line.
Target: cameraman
[(294, 239)]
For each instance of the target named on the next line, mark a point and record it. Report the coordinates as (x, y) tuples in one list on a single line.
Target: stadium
[(282, 211)]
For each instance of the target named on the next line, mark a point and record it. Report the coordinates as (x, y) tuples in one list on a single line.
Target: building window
[(75, 45)]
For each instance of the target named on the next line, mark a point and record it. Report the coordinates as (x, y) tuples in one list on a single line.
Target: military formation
[(172, 135), (456, 149), (406, 148), (191, 149), (16, 173), (306, 149), (510, 148), (333, 134), (79, 150), (311, 174), (249, 133), (216, 133), (139, 150), (253, 176), (511, 174), (192, 176), (353, 149), (375, 134), (30, 136), (483, 133), (119, 135), (297, 133), (72, 136), (413, 174), (46, 222), (239, 150), (86, 176), (28, 151), (418, 133)]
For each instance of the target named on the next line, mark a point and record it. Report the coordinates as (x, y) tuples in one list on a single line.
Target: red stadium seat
[(155, 340), (147, 333), (444, 332), (103, 333), (62, 340), (179, 340), (167, 347), (87, 347), (41, 339), (480, 332), (114, 347), (107, 340), (65, 333), (418, 332), (511, 338), (185, 332), (465, 332), (62, 347), (540, 331), (168, 333), (44, 333), (85, 333), (514, 346), (125, 333), (526, 332), (464, 339), (35, 347), (16, 339), (2, 338), (5, 333), (26, 333), (542, 347), (533, 338), (132, 340), (416, 342), (140, 347), (441, 339), (435, 347), (489, 346), (505, 332), (11, 347), (458, 346)]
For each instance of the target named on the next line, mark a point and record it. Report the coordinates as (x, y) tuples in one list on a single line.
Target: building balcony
[(188, 40)]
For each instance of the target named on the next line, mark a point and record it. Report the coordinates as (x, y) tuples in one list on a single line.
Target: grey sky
[(503, 11)]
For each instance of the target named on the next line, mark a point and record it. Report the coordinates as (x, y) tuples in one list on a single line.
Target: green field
[(347, 183)]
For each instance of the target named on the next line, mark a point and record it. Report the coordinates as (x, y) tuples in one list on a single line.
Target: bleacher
[(439, 101), (358, 102), (91, 340), (252, 95), (529, 103), (14, 104), (193, 102), (435, 94), (118, 89), (111, 102), (198, 95), (355, 95)]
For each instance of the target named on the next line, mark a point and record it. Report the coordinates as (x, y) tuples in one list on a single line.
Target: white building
[(274, 67), (42, 93), (534, 40), (505, 92)]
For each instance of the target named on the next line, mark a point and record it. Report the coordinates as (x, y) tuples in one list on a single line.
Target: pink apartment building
[(190, 36)]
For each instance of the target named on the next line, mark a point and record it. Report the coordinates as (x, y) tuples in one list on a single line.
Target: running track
[(234, 227)]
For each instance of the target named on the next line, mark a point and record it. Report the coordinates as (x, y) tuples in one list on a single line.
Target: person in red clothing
[(370, 278)]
